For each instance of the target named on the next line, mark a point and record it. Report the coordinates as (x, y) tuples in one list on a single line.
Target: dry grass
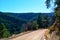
[(17, 35)]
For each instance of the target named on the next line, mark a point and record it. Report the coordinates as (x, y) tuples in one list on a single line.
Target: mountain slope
[(13, 24), (14, 21), (27, 16)]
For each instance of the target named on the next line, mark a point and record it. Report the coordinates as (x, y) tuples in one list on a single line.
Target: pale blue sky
[(24, 6)]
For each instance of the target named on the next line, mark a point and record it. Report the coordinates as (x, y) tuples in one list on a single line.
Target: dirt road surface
[(35, 35)]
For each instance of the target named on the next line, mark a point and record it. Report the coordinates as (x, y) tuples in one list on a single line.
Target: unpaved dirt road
[(35, 35)]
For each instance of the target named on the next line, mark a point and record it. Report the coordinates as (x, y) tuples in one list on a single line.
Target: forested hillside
[(18, 22)]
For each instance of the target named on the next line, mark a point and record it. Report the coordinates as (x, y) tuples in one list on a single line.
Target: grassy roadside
[(17, 35)]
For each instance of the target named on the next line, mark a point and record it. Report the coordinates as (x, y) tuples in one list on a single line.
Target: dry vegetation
[(53, 32)]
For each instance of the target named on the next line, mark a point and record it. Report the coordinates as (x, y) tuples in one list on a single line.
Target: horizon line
[(26, 12)]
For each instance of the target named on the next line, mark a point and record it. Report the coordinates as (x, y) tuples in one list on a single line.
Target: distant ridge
[(25, 16)]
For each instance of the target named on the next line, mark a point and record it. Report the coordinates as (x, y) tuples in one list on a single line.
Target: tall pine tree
[(39, 20), (47, 19), (56, 10), (4, 33)]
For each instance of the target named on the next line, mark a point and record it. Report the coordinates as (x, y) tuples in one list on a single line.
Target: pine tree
[(34, 24), (47, 19), (56, 10), (3, 31), (39, 20)]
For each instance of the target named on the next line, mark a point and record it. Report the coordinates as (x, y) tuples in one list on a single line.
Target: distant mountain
[(14, 21), (26, 16)]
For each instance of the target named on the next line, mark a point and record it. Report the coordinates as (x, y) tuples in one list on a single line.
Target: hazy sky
[(23, 6)]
